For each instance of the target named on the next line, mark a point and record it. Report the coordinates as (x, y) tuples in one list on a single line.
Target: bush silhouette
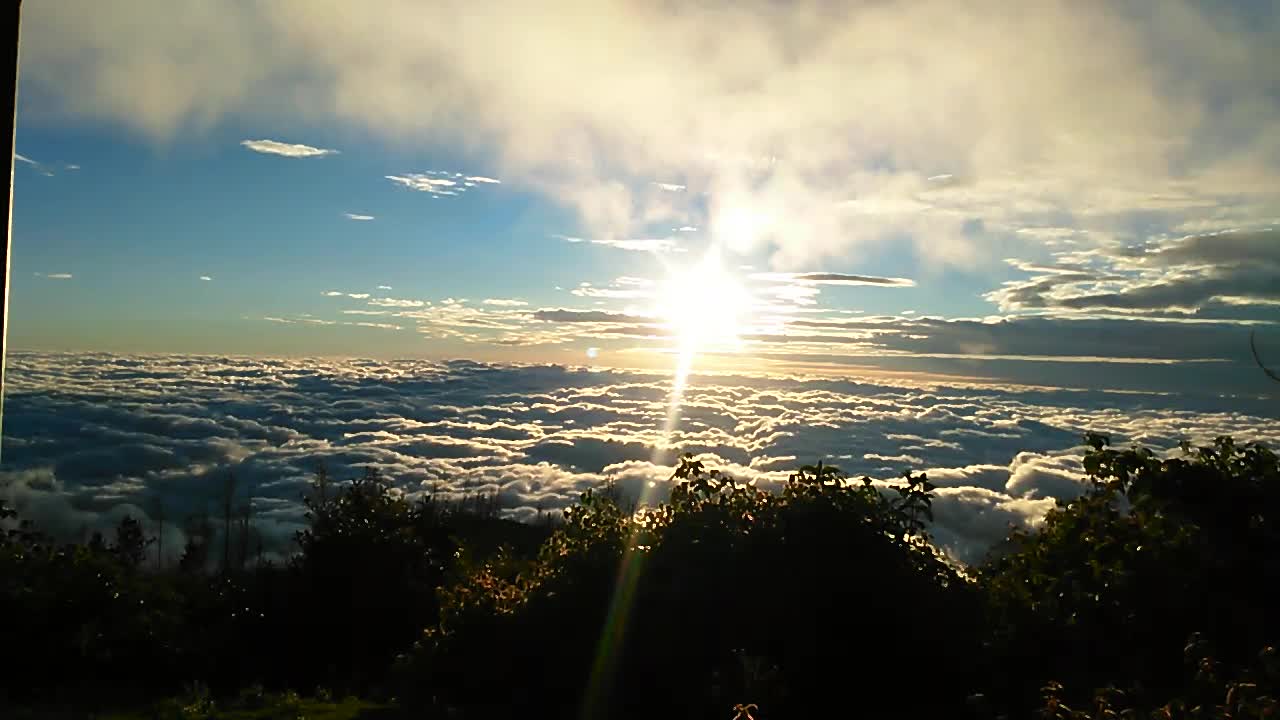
[(1111, 586), (723, 600), (826, 590)]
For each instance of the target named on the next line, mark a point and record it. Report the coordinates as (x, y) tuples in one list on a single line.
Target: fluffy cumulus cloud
[(283, 149), (92, 437), (1125, 116)]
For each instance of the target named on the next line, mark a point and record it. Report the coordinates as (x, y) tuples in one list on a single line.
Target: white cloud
[(394, 302), (670, 187), (56, 276), (206, 278), (653, 245), (503, 302), (379, 326), (540, 435), (426, 183), (291, 150), (746, 115), (38, 166), (384, 287), (333, 293), (357, 216), (440, 183), (358, 296)]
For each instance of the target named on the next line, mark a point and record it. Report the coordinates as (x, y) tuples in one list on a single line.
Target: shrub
[(1114, 582), (826, 591)]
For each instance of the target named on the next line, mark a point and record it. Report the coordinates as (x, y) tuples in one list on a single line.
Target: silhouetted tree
[(131, 542), (195, 553), (157, 513), (228, 500)]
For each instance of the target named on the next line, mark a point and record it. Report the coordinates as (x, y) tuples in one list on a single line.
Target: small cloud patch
[(440, 183), (283, 149)]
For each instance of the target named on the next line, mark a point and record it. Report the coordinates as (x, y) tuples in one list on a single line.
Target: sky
[(1066, 194), (524, 248)]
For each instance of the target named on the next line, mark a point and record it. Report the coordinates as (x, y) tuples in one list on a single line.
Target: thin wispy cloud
[(283, 149), (652, 245), (36, 165), (670, 187), (55, 276), (357, 216), (823, 278), (442, 183), (397, 303), (206, 278), (503, 302), (379, 326), (384, 287), (426, 183)]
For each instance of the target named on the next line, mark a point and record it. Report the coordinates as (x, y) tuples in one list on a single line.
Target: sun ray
[(704, 307)]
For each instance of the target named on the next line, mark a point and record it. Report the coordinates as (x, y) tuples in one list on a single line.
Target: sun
[(704, 307)]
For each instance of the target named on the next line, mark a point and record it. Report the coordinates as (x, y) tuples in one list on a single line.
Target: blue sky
[(1101, 212)]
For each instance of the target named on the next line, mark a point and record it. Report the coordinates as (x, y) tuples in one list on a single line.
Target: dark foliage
[(724, 600), (1112, 585), (90, 621), (793, 601)]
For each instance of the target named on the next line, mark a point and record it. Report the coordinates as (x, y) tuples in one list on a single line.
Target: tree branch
[(1253, 346)]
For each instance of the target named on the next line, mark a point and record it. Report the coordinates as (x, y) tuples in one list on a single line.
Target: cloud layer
[(806, 129), (89, 437)]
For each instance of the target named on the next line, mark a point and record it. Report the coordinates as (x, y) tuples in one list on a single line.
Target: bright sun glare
[(704, 306)]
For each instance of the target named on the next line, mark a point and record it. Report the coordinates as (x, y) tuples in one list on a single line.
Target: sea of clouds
[(89, 438)]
